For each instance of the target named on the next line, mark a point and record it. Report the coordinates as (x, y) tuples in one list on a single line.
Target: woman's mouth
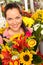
[(14, 26)]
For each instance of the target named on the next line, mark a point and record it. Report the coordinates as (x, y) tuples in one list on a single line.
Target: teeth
[(15, 26)]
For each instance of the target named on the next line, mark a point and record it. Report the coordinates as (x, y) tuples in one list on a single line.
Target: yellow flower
[(1, 56), (7, 25), (35, 16), (14, 52), (15, 42), (26, 58), (33, 52), (42, 21), (28, 21), (32, 42), (2, 30), (16, 63), (3, 47), (15, 36), (8, 48), (10, 63), (38, 14)]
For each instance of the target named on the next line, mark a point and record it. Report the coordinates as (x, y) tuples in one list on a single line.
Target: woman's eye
[(9, 19), (17, 17)]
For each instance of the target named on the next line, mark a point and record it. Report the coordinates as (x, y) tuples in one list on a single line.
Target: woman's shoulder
[(5, 33)]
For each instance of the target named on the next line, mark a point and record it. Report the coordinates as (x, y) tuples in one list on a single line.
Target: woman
[(13, 15)]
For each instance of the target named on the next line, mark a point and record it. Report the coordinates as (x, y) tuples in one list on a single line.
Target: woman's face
[(14, 19)]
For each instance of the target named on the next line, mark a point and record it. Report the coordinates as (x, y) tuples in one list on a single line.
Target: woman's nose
[(14, 21)]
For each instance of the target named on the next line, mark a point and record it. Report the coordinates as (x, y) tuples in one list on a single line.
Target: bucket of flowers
[(20, 50)]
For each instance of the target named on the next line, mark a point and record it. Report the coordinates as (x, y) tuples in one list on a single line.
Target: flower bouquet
[(38, 28), (20, 50), (38, 24)]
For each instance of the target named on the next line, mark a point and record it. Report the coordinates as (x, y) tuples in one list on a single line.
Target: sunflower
[(26, 58), (32, 42)]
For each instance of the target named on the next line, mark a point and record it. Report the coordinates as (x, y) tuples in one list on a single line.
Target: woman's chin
[(15, 29)]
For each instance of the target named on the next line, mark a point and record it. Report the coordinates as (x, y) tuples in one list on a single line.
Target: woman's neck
[(12, 32)]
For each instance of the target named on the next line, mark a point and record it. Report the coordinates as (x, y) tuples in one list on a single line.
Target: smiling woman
[(13, 15), (14, 19)]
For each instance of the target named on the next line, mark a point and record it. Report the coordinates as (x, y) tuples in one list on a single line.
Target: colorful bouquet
[(20, 50), (38, 24)]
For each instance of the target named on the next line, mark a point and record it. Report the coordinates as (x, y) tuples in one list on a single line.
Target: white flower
[(14, 57), (41, 26), (36, 27), (2, 22), (41, 32)]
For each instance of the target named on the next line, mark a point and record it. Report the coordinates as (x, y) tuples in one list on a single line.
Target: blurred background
[(27, 6)]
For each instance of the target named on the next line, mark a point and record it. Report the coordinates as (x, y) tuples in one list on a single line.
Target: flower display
[(38, 24), (38, 15), (20, 50)]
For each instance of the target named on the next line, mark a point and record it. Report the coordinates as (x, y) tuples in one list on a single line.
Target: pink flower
[(28, 33), (30, 29), (1, 40)]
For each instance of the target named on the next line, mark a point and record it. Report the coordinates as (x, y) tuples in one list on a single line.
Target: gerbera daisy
[(26, 58), (32, 42)]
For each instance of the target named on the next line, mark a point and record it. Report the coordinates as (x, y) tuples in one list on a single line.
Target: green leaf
[(36, 59), (38, 20), (25, 49), (37, 33), (0, 61), (9, 44)]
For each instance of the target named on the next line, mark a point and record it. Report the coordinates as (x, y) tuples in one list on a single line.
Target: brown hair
[(15, 5), (12, 5)]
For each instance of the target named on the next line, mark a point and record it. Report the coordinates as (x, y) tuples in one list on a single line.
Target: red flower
[(38, 53), (5, 61), (21, 43), (13, 62), (41, 64), (6, 54), (26, 13)]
